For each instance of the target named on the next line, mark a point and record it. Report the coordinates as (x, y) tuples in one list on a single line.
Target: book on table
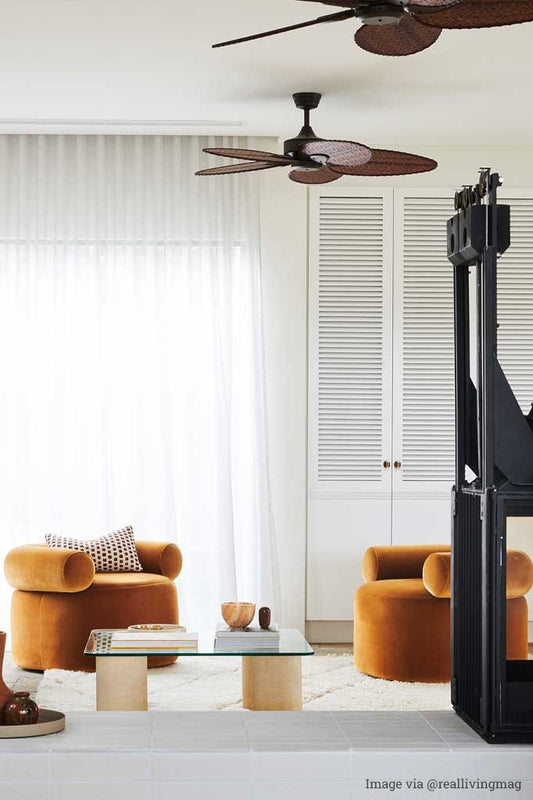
[(249, 633), (253, 637), (153, 640)]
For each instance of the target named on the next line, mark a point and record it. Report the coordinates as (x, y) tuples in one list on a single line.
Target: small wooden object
[(265, 618)]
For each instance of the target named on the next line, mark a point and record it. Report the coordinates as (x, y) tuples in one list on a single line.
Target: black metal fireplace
[(494, 478)]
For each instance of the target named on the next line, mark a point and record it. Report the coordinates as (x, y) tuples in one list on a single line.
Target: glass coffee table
[(271, 679)]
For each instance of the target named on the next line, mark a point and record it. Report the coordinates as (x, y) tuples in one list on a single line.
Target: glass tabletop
[(291, 643)]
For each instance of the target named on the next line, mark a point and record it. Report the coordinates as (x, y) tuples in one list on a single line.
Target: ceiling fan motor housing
[(291, 148), (380, 14)]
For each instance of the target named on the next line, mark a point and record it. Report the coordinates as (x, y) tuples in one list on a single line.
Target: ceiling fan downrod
[(307, 102)]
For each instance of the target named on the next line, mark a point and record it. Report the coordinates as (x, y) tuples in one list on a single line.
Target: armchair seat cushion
[(127, 580)]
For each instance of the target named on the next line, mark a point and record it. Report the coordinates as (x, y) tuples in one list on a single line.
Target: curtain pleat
[(131, 362)]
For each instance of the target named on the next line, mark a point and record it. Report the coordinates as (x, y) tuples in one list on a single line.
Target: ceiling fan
[(313, 160), (404, 27)]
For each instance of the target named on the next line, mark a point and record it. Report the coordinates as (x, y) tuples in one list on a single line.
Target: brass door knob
[(397, 464), (386, 464)]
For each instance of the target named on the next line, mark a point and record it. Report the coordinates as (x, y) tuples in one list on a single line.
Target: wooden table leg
[(121, 683), (272, 683)]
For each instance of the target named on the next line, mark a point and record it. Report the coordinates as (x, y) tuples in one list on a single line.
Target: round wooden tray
[(48, 722)]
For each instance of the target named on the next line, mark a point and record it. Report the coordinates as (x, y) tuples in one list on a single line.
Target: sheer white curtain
[(131, 372)]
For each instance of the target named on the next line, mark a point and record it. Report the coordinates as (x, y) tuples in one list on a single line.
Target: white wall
[(284, 255)]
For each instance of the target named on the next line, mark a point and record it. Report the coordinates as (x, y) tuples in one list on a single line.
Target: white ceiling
[(150, 61)]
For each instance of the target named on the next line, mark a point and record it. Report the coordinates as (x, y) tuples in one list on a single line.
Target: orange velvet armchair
[(402, 612), (59, 599)]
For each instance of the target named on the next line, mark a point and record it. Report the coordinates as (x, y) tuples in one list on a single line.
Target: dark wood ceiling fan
[(404, 27), (313, 160)]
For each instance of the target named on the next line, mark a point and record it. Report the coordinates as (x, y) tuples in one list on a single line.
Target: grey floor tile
[(199, 732), (295, 732), (457, 734), (104, 731), (385, 730)]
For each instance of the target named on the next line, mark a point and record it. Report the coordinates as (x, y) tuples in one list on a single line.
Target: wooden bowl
[(238, 615)]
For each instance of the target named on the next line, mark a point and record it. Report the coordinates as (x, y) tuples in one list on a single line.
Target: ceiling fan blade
[(338, 17), (480, 14), (390, 162), (314, 176), (397, 40), (251, 166), (247, 155), (431, 4), (350, 154)]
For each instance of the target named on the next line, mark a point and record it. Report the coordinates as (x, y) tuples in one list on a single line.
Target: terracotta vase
[(21, 710), (5, 691)]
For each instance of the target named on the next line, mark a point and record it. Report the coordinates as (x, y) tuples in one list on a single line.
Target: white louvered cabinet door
[(350, 381), (515, 331), (424, 395), (515, 298)]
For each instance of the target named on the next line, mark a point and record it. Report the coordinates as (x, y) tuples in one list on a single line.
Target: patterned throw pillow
[(114, 552)]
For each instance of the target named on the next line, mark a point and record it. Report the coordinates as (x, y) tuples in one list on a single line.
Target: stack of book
[(154, 640), (251, 638)]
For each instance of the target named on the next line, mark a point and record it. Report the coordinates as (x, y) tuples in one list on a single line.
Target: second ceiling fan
[(314, 160), (404, 27)]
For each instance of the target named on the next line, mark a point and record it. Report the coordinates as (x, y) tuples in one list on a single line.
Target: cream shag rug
[(330, 683)]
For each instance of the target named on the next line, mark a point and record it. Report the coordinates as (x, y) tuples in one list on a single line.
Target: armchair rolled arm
[(37, 568), (391, 563), (438, 569), (437, 574), (160, 558)]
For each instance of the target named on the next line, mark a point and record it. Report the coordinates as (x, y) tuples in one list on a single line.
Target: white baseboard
[(341, 631), (329, 631)]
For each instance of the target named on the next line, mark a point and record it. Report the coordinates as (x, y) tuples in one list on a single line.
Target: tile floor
[(261, 756)]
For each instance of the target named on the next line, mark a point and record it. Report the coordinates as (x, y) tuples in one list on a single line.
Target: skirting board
[(329, 631), (341, 631)]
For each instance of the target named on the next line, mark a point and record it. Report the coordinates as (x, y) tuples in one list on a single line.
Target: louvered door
[(515, 332), (423, 451), (381, 389), (515, 299), (423, 389), (350, 317)]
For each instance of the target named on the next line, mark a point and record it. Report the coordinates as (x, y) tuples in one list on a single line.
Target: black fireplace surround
[(493, 481)]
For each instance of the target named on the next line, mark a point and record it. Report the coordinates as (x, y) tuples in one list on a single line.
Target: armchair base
[(50, 629), (402, 632)]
